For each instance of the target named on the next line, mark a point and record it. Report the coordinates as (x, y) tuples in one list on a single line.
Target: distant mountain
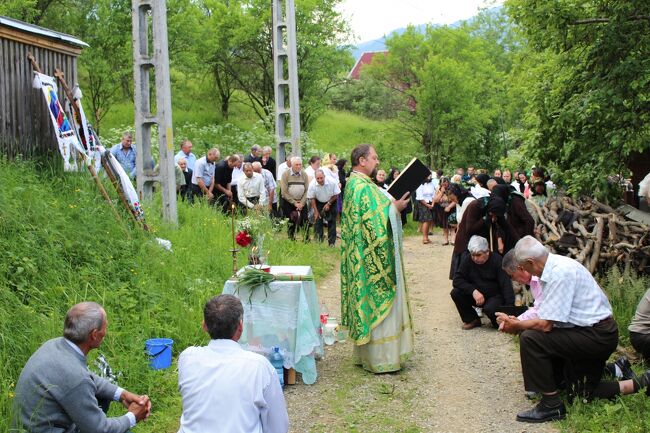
[(380, 43)]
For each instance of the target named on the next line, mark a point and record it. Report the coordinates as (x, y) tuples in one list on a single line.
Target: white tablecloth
[(283, 314)]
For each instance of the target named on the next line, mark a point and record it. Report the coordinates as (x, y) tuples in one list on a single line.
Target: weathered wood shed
[(25, 128)]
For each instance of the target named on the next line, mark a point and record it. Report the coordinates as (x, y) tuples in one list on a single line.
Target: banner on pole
[(126, 185), (65, 135)]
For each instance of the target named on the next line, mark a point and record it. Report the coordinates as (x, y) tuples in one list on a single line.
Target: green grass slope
[(339, 131), (60, 244)]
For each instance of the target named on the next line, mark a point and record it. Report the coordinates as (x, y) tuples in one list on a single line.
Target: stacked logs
[(593, 233)]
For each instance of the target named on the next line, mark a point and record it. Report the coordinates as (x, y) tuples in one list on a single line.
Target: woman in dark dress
[(340, 164), (444, 207)]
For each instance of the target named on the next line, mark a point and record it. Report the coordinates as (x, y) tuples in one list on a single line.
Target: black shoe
[(643, 381), (542, 413), (626, 369)]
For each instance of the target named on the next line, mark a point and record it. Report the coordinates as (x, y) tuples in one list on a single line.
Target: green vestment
[(368, 275)]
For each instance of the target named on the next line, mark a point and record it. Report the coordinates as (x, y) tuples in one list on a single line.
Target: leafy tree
[(367, 97), (451, 86), (588, 84), (241, 53)]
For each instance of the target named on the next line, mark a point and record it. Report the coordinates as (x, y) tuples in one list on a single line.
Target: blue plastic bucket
[(160, 352)]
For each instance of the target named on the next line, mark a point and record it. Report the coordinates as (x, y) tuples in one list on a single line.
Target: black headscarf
[(502, 191), (458, 190), (496, 205), (482, 179)]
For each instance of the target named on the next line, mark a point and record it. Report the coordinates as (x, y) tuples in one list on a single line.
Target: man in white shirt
[(251, 190), (237, 173), (574, 328), (225, 388), (270, 185), (286, 165), (314, 164), (322, 195), (186, 152)]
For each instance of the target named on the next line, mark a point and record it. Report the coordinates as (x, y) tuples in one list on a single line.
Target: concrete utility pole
[(285, 67), (144, 14)]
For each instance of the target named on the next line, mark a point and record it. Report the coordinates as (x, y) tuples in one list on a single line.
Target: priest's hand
[(401, 204)]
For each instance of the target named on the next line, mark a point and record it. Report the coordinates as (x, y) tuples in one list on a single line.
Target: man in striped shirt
[(575, 328)]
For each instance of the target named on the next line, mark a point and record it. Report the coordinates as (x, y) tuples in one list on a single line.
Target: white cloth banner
[(125, 182), (65, 135), (85, 132)]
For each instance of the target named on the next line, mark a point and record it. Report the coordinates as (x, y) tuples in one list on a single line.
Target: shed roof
[(42, 31)]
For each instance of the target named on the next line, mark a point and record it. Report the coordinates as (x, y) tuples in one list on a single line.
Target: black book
[(409, 179)]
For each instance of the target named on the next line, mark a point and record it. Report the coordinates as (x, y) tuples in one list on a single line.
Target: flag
[(65, 135)]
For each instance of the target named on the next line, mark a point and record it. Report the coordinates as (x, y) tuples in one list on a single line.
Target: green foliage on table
[(60, 244)]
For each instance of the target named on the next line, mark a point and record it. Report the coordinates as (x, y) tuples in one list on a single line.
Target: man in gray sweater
[(56, 393)]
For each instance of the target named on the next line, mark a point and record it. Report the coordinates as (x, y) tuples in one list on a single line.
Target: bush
[(624, 292)]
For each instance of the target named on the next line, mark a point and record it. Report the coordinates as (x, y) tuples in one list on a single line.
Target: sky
[(372, 19)]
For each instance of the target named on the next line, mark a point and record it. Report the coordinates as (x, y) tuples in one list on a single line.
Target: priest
[(374, 299)]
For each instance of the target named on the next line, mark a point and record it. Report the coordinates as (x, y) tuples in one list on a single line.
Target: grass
[(627, 413), (334, 132), (60, 244), (338, 132)]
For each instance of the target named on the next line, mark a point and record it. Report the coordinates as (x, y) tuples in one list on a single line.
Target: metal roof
[(42, 31)]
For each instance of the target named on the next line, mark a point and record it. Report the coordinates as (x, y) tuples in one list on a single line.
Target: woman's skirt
[(424, 213), (442, 217)]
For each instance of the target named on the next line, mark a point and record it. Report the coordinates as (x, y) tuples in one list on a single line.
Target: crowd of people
[(566, 336)]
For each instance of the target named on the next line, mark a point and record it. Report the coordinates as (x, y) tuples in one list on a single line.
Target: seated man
[(251, 191), (574, 328), (640, 327), (57, 393), (322, 195), (480, 282), (224, 387)]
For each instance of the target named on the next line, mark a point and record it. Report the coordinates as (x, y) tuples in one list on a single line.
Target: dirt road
[(457, 381)]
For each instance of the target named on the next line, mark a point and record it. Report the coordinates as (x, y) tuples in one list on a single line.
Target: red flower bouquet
[(243, 239)]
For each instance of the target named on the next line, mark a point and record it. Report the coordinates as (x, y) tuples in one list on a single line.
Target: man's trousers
[(582, 350), (465, 305)]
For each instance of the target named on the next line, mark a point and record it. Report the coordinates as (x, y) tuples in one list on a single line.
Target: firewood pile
[(593, 233)]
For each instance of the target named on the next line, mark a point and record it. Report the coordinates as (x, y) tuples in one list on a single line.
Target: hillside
[(60, 244)]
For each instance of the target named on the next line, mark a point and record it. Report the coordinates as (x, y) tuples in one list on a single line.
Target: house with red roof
[(365, 59)]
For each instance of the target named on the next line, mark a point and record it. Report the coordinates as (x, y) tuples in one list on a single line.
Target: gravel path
[(457, 381)]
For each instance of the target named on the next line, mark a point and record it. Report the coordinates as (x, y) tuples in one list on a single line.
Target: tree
[(241, 54), (589, 91), (451, 88)]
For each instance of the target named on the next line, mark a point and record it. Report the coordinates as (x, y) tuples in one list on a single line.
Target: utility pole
[(151, 53), (285, 66)]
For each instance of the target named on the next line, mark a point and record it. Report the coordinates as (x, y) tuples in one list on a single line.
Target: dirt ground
[(456, 381)]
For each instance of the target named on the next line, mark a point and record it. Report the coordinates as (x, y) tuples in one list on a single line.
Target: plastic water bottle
[(324, 313), (277, 360)]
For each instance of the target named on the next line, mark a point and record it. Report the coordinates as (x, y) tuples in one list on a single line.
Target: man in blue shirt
[(186, 152), (124, 152)]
